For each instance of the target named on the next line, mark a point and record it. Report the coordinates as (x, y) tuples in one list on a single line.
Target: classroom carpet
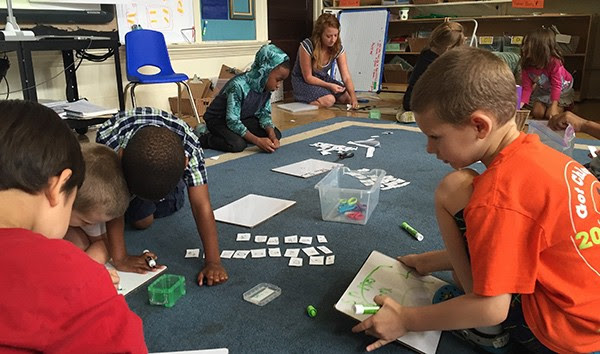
[(218, 316)]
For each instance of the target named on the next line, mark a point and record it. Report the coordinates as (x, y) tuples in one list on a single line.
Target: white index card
[(243, 236), (260, 238), (295, 262), (316, 260), (329, 260), (370, 152), (593, 150), (291, 239), (325, 249), (274, 252), (227, 254), (307, 240), (192, 253), (273, 241), (292, 252), (259, 253), (241, 254), (321, 238), (310, 251)]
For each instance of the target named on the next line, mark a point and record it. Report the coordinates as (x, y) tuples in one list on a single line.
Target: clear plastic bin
[(347, 195), (166, 290), (563, 141)]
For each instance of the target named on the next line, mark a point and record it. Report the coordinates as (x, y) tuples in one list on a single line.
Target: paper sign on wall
[(528, 4)]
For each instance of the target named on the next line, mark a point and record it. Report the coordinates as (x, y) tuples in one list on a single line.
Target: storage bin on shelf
[(344, 198)]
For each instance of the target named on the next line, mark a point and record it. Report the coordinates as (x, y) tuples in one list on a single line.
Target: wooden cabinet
[(493, 22)]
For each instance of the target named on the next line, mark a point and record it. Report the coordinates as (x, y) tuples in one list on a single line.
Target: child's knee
[(539, 110), (456, 183), (144, 223), (238, 145)]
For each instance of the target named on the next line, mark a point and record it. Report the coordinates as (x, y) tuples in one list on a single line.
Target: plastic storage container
[(166, 290), (561, 141), (349, 196)]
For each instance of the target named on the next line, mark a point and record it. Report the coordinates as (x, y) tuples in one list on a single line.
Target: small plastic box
[(562, 141), (262, 294), (166, 290), (342, 185)]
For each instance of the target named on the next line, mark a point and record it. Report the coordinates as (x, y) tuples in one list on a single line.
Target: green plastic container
[(166, 290)]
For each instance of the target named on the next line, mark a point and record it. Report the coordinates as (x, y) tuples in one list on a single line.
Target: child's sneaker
[(405, 117), (496, 341), (200, 129)]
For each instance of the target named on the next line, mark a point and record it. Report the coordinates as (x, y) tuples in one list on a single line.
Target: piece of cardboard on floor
[(131, 281), (307, 168), (385, 275), (251, 210), (298, 107)]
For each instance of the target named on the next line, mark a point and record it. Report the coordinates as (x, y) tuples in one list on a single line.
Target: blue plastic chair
[(148, 48)]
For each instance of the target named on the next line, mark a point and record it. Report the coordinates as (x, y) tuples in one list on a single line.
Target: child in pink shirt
[(547, 85)]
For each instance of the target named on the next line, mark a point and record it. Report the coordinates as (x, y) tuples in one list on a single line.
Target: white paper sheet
[(251, 210), (131, 281), (381, 274), (307, 168)]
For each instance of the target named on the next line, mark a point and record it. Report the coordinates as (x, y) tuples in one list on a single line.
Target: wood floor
[(388, 104)]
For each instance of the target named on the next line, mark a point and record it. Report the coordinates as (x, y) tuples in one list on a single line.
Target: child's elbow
[(496, 310)]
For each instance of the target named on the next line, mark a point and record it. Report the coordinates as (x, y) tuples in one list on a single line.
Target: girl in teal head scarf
[(241, 112)]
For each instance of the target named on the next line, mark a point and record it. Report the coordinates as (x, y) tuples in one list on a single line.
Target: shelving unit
[(493, 20)]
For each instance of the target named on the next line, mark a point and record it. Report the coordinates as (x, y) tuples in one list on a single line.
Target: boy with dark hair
[(529, 258), (54, 297), (160, 156), (102, 197)]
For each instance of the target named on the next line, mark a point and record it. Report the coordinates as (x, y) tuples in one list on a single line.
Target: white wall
[(96, 81)]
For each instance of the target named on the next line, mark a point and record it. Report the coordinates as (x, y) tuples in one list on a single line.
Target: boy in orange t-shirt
[(531, 249)]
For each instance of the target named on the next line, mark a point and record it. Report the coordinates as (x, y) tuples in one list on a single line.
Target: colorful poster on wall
[(170, 17), (528, 4)]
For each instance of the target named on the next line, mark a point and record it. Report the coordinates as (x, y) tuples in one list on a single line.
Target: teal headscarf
[(267, 58)]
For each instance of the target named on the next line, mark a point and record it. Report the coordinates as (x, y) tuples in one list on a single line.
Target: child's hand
[(114, 276), (386, 324), (275, 142), (355, 103), (265, 144), (415, 261), (135, 264), (214, 273), (551, 111)]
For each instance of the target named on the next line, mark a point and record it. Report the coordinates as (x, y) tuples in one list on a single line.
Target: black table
[(67, 46)]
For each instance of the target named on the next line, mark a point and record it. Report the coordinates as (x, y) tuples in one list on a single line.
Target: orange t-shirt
[(533, 228)]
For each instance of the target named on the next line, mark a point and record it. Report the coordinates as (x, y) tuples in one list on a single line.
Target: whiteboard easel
[(364, 34)]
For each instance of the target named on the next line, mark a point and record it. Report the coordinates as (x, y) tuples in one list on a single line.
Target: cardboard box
[(417, 44), (201, 88), (225, 74), (394, 73), (186, 107)]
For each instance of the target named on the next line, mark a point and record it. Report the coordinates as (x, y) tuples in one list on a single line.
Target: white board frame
[(354, 25)]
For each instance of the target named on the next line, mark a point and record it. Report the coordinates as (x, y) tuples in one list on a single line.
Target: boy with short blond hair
[(102, 197), (55, 299), (529, 258)]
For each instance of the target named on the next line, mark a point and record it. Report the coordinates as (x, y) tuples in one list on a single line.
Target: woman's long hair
[(323, 22)]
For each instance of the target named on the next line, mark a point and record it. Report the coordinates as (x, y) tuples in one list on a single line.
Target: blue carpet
[(219, 317)]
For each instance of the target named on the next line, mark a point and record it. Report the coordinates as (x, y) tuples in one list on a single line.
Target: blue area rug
[(219, 317)]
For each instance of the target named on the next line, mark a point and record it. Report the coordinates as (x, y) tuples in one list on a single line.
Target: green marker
[(365, 310), (311, 311), (412, 231)]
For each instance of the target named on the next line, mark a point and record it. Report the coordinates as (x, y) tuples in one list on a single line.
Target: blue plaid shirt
[(117, 131)]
